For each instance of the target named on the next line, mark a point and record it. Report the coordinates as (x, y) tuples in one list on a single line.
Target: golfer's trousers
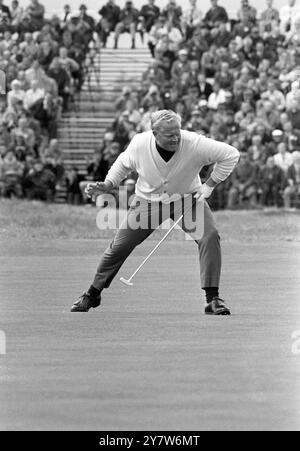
[(127, 238)]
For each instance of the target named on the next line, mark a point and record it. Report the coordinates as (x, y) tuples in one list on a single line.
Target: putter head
[(126, 282)]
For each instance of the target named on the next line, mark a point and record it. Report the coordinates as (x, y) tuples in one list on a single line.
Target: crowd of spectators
[(42, 67), (232, 78), (236, 80)]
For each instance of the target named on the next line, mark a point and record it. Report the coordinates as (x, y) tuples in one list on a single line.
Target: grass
[(31, 220)]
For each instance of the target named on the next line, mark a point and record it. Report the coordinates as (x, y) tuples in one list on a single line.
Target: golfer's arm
[(120, 169), (225, 158)]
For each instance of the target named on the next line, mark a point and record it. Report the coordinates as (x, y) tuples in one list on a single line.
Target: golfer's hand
[(204, 192), (96, 188)]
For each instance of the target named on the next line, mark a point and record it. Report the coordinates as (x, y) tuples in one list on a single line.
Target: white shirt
[(288, 13), (180, 175), (283, 161)]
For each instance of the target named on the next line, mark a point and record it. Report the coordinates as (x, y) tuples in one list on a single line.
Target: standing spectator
[(110, 16), (60, 75), (268, 18), (65, 16), (246, 15), (215, 14), (128, 23), (16, 15), (271, 183), (35, 12), (292, 188), (191, 19), (5, 17), (288, 15), (84, 25)]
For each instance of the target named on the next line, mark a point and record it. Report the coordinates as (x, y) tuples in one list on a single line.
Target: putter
[(128, 282)]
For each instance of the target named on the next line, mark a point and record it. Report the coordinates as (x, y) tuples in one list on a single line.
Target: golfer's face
[(168, 135)]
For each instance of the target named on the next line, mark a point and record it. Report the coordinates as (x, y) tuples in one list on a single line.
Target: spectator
[(128, 23), (73, 180), (11, 172), (149, 14), (33, 95), (35, 12), (246, 15), (204, 88), (274, 95), (110, 16), (16, 93), (172, 13), (283, 158), (5, 17), (65, 16), (191, 19), (215, 14), (292, 188), (243, 183), (288, 14), (271, 183), (24, 136), (40, 183), (268, 19), (84, 26), (217, 97), (60, 75)]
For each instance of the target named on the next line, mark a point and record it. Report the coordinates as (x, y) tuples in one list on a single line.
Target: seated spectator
[(180, 66), (28, 46), (16, 93), (292, 188), (191, 18), (243, 183), (155, 33), (128, 23), (23, 135), (215, 14), (274, 95), (257, 151), (268, 18), (204, 88), (54, 164), (172, 13), (224, 76), (283, 158), (217, 97), (73, 180), (35, 12), (11, 172), (110, 16), (40, 183), (170, 40), (152, 99), (149, 14), (33, 95), (47, 111), (271, 183), (209, 61)]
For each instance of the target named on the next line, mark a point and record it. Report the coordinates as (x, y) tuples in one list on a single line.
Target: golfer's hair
[(163, 116)]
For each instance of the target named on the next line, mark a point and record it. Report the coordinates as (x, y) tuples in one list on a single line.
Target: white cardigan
[(180, 175)]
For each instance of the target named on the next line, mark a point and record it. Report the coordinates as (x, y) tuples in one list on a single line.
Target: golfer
[(167, 160)]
